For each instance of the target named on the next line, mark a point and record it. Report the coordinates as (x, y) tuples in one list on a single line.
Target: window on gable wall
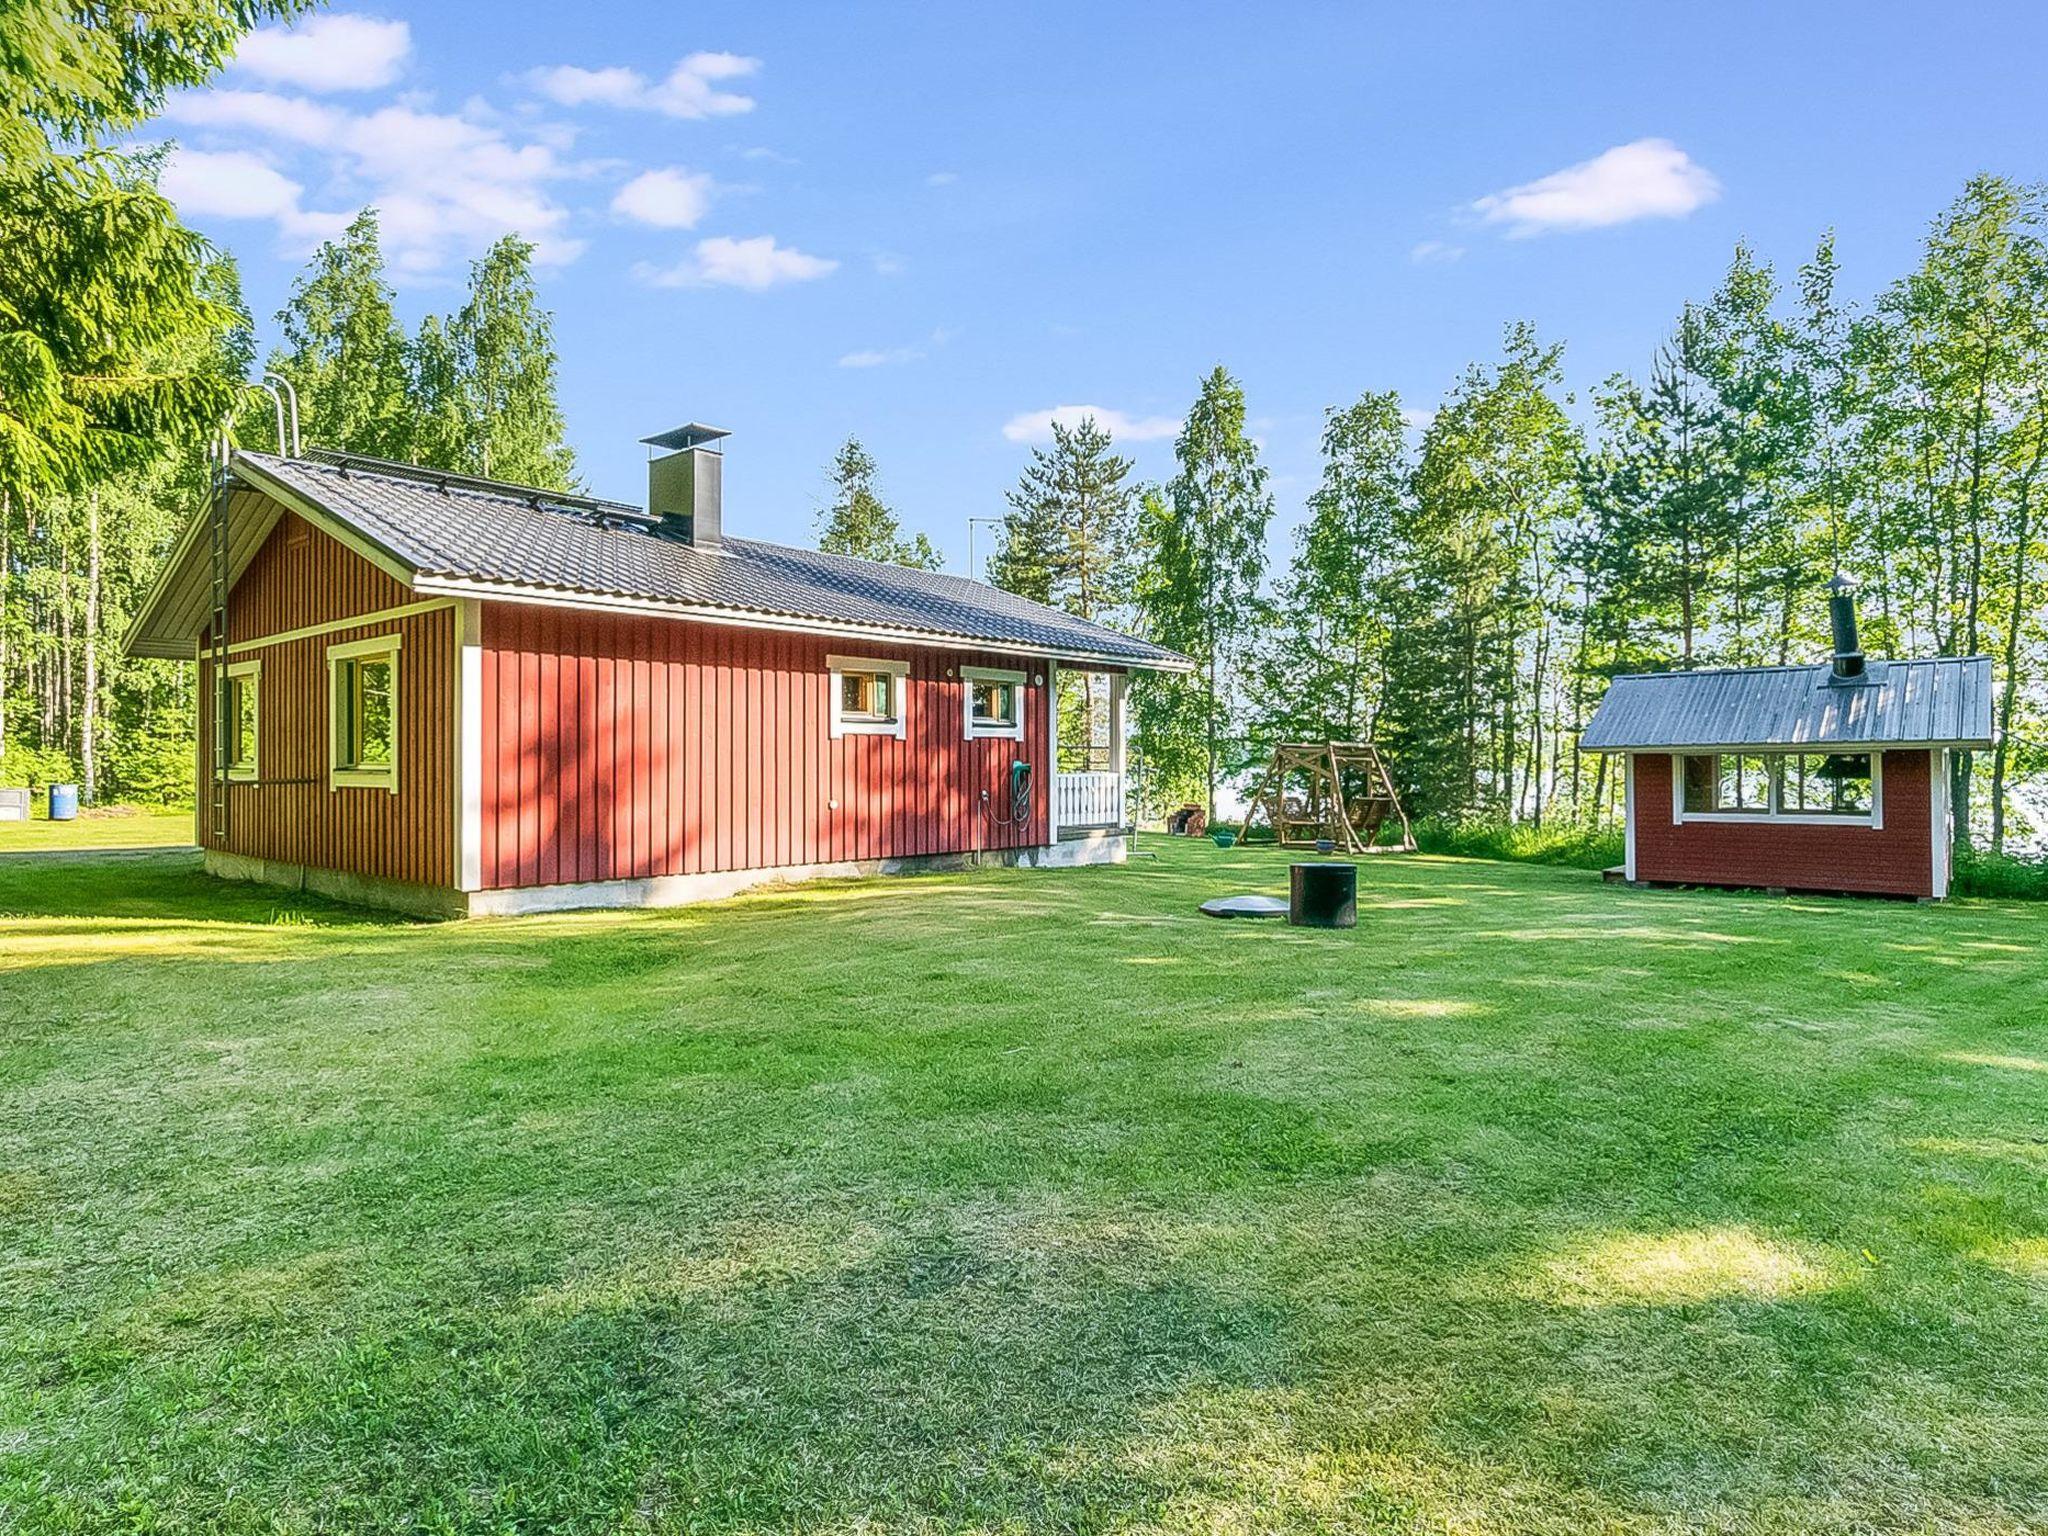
[(363, 696), (245, 680)]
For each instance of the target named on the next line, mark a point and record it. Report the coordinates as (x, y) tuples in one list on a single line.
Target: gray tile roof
[(473, 532), (1944, 699)]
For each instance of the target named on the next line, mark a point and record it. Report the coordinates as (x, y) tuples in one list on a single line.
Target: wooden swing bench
[(1328, 791)]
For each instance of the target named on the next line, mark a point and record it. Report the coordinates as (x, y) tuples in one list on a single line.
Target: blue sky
[(933, 225)]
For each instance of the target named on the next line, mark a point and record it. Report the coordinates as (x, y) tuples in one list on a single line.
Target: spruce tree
[(858, 522)]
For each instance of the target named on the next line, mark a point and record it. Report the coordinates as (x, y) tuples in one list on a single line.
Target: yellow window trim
[(247, 773), (349, 776)]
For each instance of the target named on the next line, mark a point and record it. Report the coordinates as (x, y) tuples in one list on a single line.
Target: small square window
[(995, 702), (869, 696)]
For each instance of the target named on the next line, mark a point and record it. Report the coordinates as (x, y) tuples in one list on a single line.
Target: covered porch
[(1088, 729)]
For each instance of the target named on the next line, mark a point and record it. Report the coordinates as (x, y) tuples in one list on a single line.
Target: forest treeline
[(473, 391), (1462, 586)]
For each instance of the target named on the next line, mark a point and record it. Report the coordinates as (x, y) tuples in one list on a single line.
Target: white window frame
[(248, 673), (899, 687), (1776, 815), (344, 777), (992, 730)]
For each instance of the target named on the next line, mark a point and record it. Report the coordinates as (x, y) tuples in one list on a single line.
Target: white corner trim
[(897, 726), (992, 730), (468, 808), (249, 772), (1942, 817), (338, 775), (1628, 817), (1052, 752)]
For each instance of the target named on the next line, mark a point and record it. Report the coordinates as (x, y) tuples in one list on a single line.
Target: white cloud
[(1418, 420), (1036, 426), (881, 358), (723, 262), (260, 112), (1435, 251), (445, 184), (689, 91), (942, 178), (1648, 179), (231, 185), (671, 198), (335, 52)]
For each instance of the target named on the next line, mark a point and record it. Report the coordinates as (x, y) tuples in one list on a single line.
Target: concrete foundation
[(1101, 847)]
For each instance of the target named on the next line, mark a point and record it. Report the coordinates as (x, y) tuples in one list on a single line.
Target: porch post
[(1052, 752), (1118, 683)]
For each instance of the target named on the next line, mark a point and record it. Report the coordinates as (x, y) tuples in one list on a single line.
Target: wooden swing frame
[(1325, 816)]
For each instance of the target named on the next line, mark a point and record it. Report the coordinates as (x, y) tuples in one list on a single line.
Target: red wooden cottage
[(1830, 777), (453, 695)]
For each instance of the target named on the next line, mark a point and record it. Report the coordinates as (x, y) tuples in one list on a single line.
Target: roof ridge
[(345, 462), (1794, 666)]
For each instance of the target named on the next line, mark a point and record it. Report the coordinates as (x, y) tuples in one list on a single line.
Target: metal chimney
[(1848, 659), (685, 483)]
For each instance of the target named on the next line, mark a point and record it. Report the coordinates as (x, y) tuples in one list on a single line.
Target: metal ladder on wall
[(217, 653)]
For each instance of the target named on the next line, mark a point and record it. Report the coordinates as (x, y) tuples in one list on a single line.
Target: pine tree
[(1067, 537), (1204, 543), (857, 522), (343, 349)]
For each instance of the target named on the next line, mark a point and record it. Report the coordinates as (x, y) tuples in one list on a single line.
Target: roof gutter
[(742, 618)]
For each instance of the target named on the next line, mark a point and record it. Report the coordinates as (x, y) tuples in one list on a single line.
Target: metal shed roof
[(1938, 701), (448, 534)]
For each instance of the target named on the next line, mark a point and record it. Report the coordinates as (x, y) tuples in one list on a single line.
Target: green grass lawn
[(1023, 1201), (116, 827)]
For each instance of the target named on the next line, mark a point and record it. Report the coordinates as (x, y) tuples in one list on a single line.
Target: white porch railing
[(1088, 800)]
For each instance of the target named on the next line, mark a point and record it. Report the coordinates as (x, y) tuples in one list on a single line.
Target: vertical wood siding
[(1896, 859), (303, 577), (618, 748)]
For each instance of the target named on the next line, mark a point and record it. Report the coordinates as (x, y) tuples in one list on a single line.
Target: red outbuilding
[(453, 695), (1830, 777)]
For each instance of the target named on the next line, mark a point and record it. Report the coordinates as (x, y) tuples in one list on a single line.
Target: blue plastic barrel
[(63, 802)]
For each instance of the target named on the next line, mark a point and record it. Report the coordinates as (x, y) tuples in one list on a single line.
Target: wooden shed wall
[(301, 578), (1895, 859), (618, 747)]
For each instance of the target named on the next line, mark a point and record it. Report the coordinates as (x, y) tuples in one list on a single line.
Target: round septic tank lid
[(1244, 906)]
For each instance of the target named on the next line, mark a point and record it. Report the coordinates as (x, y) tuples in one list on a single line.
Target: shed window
[(1797, 786), (869, 696), (995, 702), (1830, 784), (244, 714), (363, 695)]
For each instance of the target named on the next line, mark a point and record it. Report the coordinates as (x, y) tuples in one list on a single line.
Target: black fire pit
[(1322, 895)]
